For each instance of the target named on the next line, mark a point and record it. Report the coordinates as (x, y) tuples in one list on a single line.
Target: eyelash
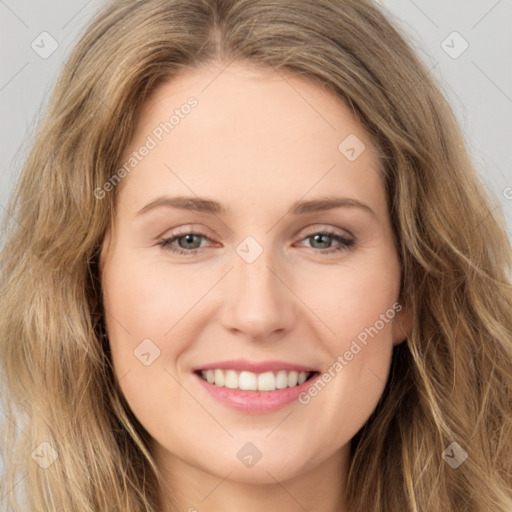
[(345, 243)]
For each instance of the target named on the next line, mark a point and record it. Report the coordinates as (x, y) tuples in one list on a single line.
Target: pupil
[(189, 240)]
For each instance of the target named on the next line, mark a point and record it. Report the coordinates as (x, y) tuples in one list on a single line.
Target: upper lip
[(255, 366)]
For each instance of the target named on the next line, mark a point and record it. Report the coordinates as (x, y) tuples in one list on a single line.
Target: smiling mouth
[(250, 381)]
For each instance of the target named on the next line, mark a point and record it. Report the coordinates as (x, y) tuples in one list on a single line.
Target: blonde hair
[(451, 380)]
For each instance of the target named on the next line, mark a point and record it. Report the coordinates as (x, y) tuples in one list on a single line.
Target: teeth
[(231, 379), (249, 381), (266, 381), (293, 379), (219, 377), (281, 379)]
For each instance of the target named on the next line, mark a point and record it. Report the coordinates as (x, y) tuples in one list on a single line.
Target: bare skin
[(256, 143)]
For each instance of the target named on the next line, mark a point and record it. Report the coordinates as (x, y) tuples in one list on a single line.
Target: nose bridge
[(257, 302)]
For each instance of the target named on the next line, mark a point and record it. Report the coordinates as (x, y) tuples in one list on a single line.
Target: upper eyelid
[(185, 230), (308, 230), (329, 229)]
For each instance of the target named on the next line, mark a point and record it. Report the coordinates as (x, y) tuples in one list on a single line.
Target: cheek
[(359, 304), (154, 314), (148, 299), (146, 315), (356, 296)]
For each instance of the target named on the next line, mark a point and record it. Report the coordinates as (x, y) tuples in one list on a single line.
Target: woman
[(253, 266)]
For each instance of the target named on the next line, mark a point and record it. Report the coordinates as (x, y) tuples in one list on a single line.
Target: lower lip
[(256, 402)]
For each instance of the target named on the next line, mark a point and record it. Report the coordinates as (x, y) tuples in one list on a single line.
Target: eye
[(188, 243), (323, 240)]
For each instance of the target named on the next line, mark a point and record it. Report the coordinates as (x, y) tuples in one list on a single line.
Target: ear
[(402, 325)]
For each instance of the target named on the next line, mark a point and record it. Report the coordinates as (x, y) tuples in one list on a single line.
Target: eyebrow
[(204, 205)]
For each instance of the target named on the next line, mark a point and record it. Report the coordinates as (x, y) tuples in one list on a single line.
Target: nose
[(257, 302)]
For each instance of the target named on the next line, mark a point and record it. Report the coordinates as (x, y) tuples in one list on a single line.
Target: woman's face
[(281, 266)]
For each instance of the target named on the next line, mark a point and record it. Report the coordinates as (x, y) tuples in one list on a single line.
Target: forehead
[(252, 133)]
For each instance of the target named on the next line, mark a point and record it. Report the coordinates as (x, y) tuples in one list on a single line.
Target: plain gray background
[(477, 81)]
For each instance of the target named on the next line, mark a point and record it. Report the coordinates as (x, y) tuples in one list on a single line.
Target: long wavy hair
[(450, 381)]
